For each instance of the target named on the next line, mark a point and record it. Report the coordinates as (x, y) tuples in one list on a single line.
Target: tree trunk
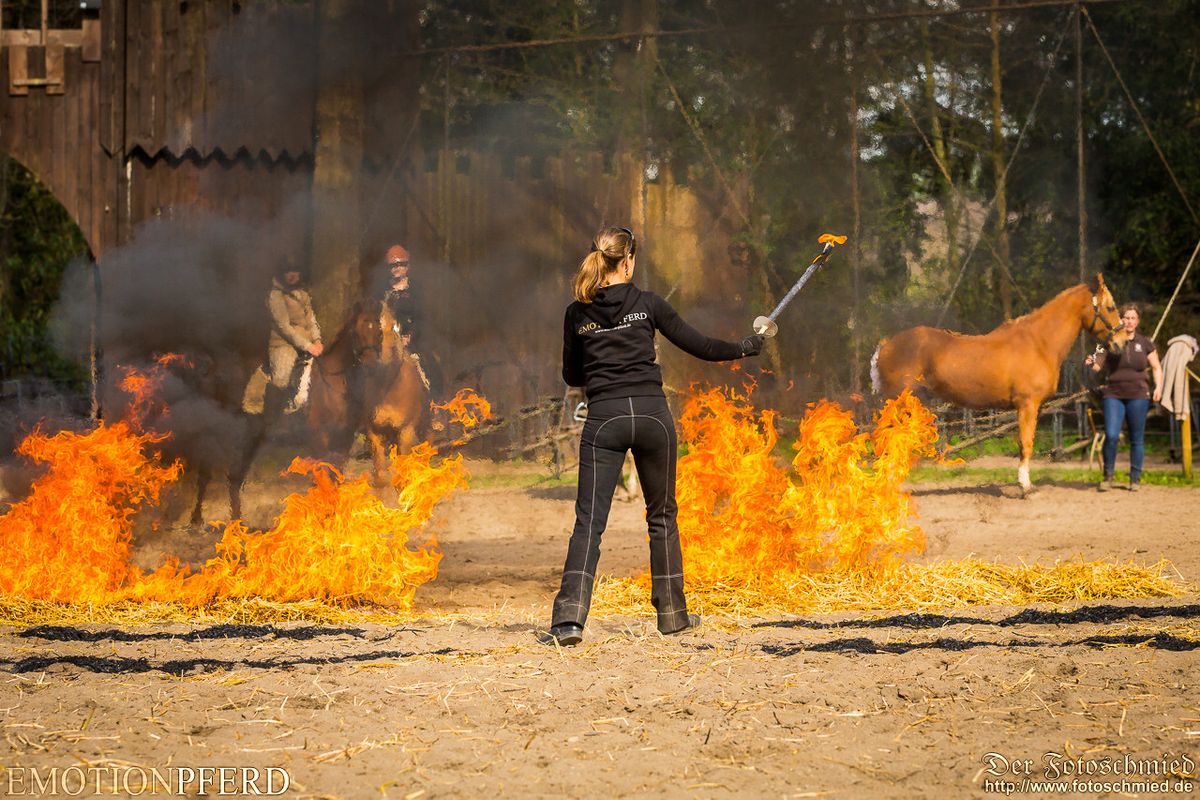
[(950, 207), (1002, 281), (856, 231), (390, 139), (634, 72), (337, 165), (4, 275), (1081, 173)]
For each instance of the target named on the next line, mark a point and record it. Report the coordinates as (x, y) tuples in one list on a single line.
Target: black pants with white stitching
[(645, 426)]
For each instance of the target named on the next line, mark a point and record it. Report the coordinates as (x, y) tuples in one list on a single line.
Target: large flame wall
[(69, 540), (745, 519)]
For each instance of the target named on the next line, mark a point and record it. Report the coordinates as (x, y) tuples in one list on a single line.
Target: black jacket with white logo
[(608, 344)]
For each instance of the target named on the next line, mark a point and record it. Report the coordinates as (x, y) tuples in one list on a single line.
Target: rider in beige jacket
[(294, 334)]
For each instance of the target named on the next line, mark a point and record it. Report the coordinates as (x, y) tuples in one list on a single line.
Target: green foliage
[(765, 109), (1157, 47), (37, 241), (752, 107)]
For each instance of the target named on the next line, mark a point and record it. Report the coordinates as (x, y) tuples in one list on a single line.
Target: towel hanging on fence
[(1176, 396)]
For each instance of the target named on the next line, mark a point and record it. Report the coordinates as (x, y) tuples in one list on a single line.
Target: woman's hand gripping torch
[(766, 326)]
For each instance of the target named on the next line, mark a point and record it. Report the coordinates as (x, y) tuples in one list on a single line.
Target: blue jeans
[(1115, 412)]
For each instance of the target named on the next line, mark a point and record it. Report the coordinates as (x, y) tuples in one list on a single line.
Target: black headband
[(632, 242)]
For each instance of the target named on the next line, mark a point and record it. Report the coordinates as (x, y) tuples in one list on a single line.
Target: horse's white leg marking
[(1027, 422), (876, 379)]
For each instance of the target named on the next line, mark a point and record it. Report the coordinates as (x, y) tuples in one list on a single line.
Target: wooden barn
[(298, 120)]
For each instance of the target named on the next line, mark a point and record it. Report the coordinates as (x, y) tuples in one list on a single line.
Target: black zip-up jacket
[(608, 344)]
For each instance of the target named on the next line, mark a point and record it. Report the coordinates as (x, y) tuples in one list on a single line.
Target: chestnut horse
[(1014, 366), (366, 380), (397, 397), (335, 411)]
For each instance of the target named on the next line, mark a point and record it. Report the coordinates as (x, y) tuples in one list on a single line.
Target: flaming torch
[(766, 326)]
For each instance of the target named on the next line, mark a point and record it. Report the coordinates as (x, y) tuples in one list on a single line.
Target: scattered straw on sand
[(949, 584), (952, 584)]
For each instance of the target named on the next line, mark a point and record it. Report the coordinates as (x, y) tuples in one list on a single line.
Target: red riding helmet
[(397, 253)]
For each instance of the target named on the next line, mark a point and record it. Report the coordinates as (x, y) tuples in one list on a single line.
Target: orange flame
[(746, 521), (68, 541), (467, 407), (337, 542), (143, 389)]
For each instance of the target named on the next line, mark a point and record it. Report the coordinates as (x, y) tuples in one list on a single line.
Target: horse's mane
[(1037, 312), (341, 339), (1024, 319)]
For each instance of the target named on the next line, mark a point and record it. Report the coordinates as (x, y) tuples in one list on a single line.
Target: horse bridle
[(1112, 332), (358, 348), (367, 347)]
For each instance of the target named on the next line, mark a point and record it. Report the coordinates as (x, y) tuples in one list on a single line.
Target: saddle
[(254, 395)]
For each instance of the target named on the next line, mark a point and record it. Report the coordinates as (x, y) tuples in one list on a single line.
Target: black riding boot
[(274, 401)]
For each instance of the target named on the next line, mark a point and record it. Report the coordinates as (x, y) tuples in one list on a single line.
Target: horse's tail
[(876, 380)]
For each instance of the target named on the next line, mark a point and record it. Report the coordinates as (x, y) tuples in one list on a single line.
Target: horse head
[(1104, 320), (366, 334)]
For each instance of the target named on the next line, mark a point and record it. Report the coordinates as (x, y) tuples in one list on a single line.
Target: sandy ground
[(464, 703)]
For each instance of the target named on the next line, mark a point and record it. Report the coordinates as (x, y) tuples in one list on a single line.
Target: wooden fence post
[(1186, 434)]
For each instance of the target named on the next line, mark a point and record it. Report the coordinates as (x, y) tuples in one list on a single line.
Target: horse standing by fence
[(1014, 366)]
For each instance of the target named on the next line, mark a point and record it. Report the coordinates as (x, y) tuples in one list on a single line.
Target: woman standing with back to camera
[(608, 348)]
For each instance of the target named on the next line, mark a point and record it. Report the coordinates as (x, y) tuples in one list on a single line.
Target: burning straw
[(747, 521), (332, 547), (834, 531), (467, 407), (69, 540), (337, 543)]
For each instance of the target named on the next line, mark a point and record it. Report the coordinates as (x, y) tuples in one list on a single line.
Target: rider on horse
[(295, 337), (400, 314)]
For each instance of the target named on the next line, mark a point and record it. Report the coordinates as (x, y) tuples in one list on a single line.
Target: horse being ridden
[(207, 428), (1014, 366), (335, 409), (396, 395), (359, 381), (351, 388), (367, 380)]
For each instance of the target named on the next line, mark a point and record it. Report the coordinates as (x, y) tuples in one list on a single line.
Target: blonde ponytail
[(591, 272), (610, 247)]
